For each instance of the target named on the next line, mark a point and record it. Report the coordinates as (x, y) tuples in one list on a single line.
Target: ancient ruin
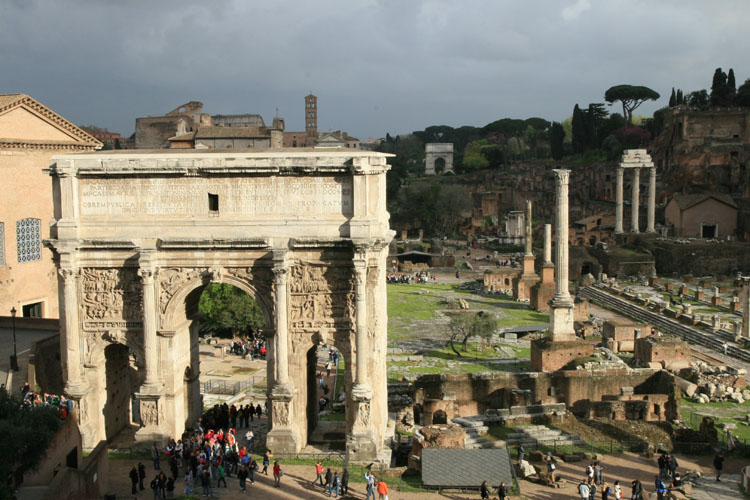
[(438, 151), (137, 235), (635, 160)]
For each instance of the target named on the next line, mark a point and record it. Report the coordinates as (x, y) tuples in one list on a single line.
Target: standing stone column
[(561, 317), (74, 384), (528, 229), (150, 342), (636, 197), (281, 339), (746, 308), (360, 296), (619, 200), (283, 436), (651, 216), (548, 244)]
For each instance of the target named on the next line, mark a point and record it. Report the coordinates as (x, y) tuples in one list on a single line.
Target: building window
[(2, 243), (213, 202), (29, 239), (32, 310)]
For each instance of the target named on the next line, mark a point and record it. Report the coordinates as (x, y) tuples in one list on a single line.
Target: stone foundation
[(547, 356)]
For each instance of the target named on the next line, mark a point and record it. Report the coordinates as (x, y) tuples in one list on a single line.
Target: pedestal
[(561, 322), (282, 438), (150, 403), (361, 444)]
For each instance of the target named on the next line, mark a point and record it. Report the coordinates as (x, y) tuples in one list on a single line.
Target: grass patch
[(241, 370), (334, 417), (721, 413)]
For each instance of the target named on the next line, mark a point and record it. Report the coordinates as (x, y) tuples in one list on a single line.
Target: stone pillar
[(361, 441), (528, 229), (282, 437), (619, 200), (636, 196), (561, 317), (75, 386), (548, 244), (746, 308), (150, 345), (651, 216)]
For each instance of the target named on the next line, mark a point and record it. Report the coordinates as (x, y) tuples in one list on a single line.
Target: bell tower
[(311, 119)]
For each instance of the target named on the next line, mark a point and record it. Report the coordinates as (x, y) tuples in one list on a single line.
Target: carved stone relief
[(321, 297), (172, 279), (281, 413), (111, 298), (363, 414), (149, 413)]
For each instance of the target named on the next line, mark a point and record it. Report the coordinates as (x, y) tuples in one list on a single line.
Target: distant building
[(154, 132), (110, 140), (337, 139), (237, 135), (702, 215), (30, 134)]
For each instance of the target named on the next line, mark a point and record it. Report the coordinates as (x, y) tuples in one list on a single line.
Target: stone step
[(714, 340), (477, 430)]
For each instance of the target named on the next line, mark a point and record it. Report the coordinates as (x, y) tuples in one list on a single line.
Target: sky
[(376, 66)]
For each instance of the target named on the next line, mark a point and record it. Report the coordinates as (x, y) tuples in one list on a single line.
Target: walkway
[(707, 488)]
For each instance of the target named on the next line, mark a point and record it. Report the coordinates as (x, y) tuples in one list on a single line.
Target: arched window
[(29, 239)]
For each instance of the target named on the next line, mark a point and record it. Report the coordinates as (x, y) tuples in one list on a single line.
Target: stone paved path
[(707, 488)]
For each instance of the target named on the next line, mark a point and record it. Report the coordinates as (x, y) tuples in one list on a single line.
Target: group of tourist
[(405, 278), (254, 347), (59, 403), (208, 455), (334, 484), (502, 490)]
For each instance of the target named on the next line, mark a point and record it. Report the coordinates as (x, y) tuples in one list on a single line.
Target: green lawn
[(721, 412)]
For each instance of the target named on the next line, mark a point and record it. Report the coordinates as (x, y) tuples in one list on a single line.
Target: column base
[(361, 446), (151, 415), (561, 323), (282, 392), (282, 440)]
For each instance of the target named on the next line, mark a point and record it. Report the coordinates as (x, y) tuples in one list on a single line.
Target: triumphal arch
[(137, 235)]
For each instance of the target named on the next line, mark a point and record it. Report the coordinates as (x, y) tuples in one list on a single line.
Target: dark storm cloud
[(376, 66)]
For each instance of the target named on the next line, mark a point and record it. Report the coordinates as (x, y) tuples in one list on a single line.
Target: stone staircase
[(713, 340), (475, 431), (531, 436)]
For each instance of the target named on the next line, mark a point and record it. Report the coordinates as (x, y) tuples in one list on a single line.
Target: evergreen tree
[(719, 88), (672, 99), (557, 136), (679, 98), (731, 87), (579, 131)]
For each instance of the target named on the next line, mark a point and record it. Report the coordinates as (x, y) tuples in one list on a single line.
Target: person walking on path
[(382, 490), (370, 488), (318, 473), (222, 476), (718, 465), (189, 482), (661, 488), (672, 467), (637, 490), (277, 473), (156, 456), (327, 484), (484, 490), (134, 480), (242, 475), (266, 462), (618, 491), (335, 485), (345, 482), (521, 453), (502, 491), (583, 490), (141, 475)]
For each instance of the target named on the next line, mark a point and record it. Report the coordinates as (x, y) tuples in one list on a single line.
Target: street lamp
[(14, 356)]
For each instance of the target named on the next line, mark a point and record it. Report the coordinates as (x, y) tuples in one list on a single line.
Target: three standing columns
[(635, 159)]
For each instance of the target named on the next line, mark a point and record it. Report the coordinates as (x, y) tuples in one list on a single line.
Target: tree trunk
[(453, 347)]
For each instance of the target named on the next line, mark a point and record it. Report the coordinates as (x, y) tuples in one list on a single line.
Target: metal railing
[(226, 387)]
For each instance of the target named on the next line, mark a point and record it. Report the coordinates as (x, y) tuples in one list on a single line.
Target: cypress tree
[(672, 99), (579, 130), (557, 136), (718, 88), (680, 99)]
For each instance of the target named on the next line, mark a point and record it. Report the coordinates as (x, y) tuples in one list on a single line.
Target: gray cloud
[(376, 66)]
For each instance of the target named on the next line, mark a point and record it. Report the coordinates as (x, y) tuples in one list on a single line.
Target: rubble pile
[(715, 383)]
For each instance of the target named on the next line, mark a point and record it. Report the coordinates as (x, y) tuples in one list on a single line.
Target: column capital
[(562, 176), (147, 275), (280, 275), (68, 274)]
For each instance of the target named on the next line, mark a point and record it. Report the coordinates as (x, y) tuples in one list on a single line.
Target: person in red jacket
[(277, 473), (382, 490)]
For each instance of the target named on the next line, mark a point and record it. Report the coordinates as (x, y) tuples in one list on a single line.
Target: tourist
[(592, 489), (170, 487), (189, 477), (637, 490), (345, 481), (249, 435), (551, 467), (253, 470), (661, 488), (335, 485), (328, 369), (677, 480), (521, 453), (382, 490), (134, 479), (242, 475), (606, 492), (590, 472), (598, 469), (222, 476), (206, 481), (718, 465), (370, 485), (141, 475), (277, 473), (327, 483), (583, 489), (672, 466), (663, 463), (266, 462), (484, 492), (618, 491), (163, 485), (156, 456), (502, 491), (259, 410), (318, 473), (155, 487)]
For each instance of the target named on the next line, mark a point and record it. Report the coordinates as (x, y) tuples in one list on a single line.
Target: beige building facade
[(138, 236), (30, 134)]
